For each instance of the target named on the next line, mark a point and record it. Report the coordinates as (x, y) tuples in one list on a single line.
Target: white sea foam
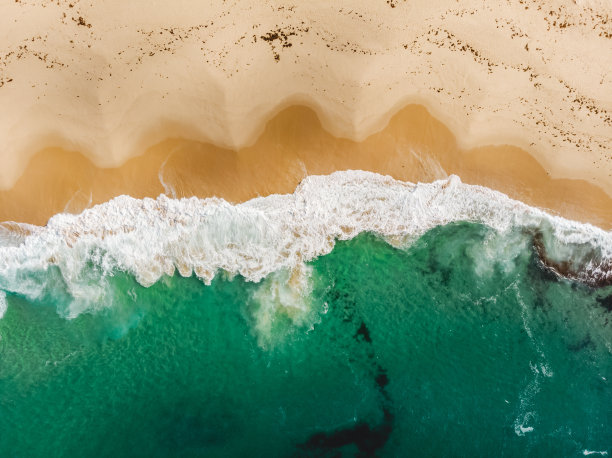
[(540, 369), (152, 237), (2, 303), (286, 291)]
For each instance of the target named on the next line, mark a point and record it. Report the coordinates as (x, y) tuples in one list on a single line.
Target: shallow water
[(460, 344)]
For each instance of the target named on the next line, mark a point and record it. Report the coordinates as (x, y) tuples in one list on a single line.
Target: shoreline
[(414, 146), (111, 80), (156, 237)]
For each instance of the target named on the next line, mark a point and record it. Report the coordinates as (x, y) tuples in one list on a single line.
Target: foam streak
[(152, 237)]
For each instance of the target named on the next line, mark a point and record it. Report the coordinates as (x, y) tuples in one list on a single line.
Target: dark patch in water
[(348, 304), (597, 272), (537, 270), (364, 332), (445, 276), (540, 280), (368, 439), (584, 343), (606, 302), (559, 268), (381, 379)]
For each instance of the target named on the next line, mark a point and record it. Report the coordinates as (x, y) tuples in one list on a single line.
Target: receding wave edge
[(150, 238)]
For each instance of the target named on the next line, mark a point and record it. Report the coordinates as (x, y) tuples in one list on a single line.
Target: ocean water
[(418, 337)]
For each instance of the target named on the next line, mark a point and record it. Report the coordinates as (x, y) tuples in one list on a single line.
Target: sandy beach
[(413, 147), (240, 99), (316, 228)]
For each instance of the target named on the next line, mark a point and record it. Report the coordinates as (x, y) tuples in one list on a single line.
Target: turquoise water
[(461, 344)]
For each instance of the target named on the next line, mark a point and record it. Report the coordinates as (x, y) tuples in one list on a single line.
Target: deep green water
[(459, 345)]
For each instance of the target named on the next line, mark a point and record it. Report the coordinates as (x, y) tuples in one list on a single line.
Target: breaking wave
[(150, 238)]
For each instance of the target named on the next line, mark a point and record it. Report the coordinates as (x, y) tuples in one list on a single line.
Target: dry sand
[(97, 99)]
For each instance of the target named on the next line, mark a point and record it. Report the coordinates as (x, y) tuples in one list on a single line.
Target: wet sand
[(414, 146)]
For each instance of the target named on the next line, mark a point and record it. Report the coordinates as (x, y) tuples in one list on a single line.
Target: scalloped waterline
[(150, 238)]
